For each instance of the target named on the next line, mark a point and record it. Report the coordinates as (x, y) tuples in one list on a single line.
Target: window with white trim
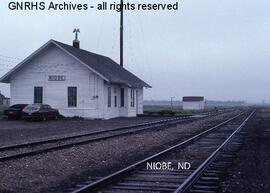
[(72, 96), (115, 98), (132, 97), (38, 94), (122, 97), (109, 97)]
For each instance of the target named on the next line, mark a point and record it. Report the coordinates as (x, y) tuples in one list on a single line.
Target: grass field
[(156, 108), (177, 109)]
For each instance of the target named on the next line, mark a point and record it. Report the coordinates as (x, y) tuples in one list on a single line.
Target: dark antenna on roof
[(76, 31), (76, 42), (122, 35)]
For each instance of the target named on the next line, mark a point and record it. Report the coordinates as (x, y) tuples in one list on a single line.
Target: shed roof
[(102, 65), (193, 98)]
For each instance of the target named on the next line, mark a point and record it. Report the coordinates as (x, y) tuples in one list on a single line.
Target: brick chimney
[(76, 44)]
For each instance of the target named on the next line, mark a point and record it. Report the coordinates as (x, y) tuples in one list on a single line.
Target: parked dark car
[(40, 112), (15, 111)]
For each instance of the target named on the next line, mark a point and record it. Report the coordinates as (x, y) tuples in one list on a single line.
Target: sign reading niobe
[(56, 78)]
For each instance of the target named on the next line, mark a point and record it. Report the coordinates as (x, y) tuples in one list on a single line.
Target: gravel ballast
[(250, 171), (60, 170), (25, 131)]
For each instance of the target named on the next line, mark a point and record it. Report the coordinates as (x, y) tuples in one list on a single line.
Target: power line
[(43, 63), (100, 30), (115, 39), (10, 57), (9, 61), (146, 54), (5, 68), (5, 64)]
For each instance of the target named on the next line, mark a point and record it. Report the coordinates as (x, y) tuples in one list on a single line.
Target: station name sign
[(56, 78)]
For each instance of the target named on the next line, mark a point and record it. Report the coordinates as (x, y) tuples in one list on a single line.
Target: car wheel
[(43, 118)]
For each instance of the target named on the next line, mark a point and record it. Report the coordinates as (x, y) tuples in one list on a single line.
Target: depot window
[(132, 97), (38, 94), (122, 97), (72, 96), (109, 97)]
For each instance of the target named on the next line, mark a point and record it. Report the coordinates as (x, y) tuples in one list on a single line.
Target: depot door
[(137, 102)]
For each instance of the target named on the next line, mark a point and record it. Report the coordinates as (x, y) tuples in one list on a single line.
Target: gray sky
[(215, 48)]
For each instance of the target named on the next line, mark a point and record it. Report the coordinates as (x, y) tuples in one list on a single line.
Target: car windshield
[(32, 107), (46, 106)]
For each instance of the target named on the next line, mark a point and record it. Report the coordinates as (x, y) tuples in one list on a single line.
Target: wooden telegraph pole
[(122, 35)]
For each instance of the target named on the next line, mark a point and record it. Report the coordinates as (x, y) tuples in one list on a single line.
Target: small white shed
[(193, 103)]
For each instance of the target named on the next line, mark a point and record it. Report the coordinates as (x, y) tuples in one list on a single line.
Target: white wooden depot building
[(77, 82)]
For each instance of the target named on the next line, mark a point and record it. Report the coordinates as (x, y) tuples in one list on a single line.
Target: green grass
[(177, 109), (157, 108)]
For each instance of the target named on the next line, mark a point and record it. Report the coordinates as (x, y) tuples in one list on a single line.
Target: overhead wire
[(146, 55), (8, 61), (10, 57), (130, 45), (115, 39), (100, 31), (4, 66)]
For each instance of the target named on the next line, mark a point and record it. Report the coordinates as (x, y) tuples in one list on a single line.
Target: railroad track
[(190, 166), (16, 151)]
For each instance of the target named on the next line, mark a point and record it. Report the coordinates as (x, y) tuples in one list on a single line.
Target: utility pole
[(122, 35)]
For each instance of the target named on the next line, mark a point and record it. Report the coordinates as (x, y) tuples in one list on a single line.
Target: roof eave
[(3, 79), (132, 86)]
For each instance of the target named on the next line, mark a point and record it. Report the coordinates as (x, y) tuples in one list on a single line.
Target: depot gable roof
[(105, 67)]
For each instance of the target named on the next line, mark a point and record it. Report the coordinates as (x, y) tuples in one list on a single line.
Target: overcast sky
[(215, 48)]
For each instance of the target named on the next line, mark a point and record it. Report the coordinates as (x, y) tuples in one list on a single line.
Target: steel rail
[(145, 127), (8, 147), (22, 145), (157, 125), (187, 184), (115, 176)]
